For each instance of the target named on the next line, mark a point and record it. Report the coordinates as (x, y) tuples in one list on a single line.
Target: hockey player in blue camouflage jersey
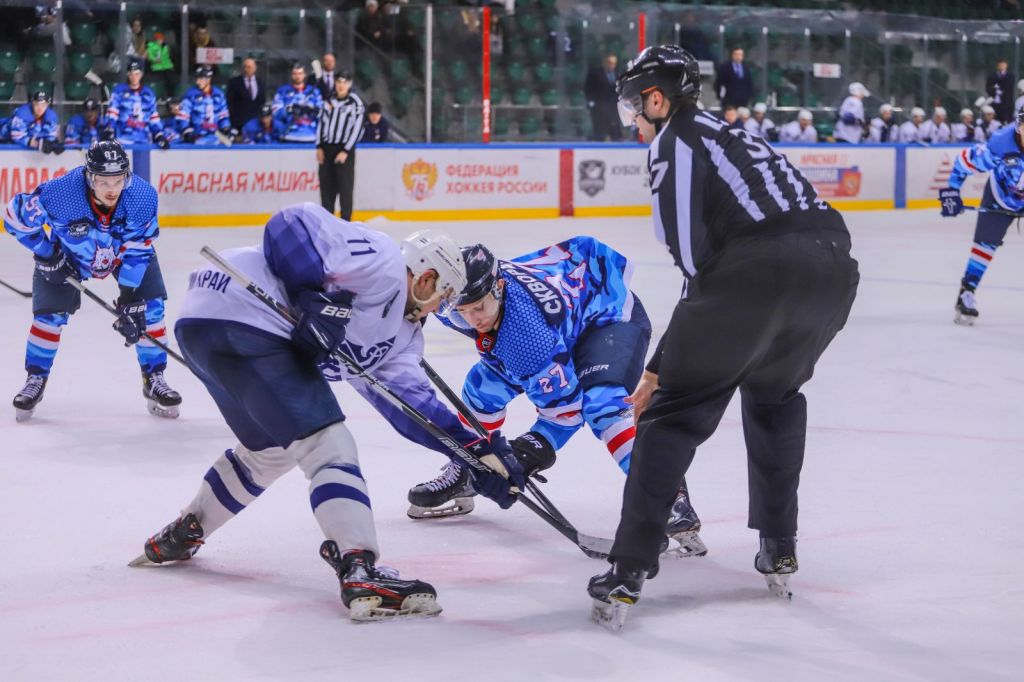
[(35, 125), (97, 220), (263, 129), (132, 116), (562, 326), (1002, 157), (296, 106), (204, 111), (83, 129)]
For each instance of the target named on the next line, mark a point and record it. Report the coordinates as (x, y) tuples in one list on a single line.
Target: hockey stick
[(1000, 211), (110, 309), (599, 551), (19, 292)]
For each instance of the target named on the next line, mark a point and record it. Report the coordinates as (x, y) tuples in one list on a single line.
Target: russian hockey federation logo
[(419, 178), (591, 180)]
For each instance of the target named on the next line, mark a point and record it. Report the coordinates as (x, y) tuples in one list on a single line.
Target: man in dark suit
[(999, 86), (245, 95), (599, 89), (325, 83), (733, 83)]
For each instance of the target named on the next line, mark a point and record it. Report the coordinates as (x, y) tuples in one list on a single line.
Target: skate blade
[(158, 410), (964, 320), (368, 610), (141, 560), (456, 507), (610, 615), (689, 545), (778, 584), (23, 415)]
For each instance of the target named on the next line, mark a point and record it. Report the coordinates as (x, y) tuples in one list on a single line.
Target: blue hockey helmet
[(481, 275), (107, 157), (133, 64)]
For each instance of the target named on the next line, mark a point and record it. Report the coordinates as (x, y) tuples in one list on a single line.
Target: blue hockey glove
[(952, 204), (495, 485), (848, 119), (131, 318), (56, 268), (322, 320)]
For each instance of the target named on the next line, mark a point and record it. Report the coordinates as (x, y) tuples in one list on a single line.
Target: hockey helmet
[(40, 96), (435, 250), (107, 157), (266, 110), (133, 64), (90, 105), (204, 71), (917, 112), (1020, 115), (481, 274), (668, 68), (966, 113)]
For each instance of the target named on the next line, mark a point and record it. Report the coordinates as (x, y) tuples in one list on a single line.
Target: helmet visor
[(629, 109)]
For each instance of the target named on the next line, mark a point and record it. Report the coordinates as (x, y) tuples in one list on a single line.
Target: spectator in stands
[(35, 125), (936, 130), (264, 128), (988, 125), (734, 84), (132, 115), (46, 26), (371, 25), (760, 124), (200, 37), (246, 94), (964, 131), (159, 62), (170, 123), (296, 106), (910, 131), (602, 102), (84, 128), (999, 87), (850, 126), (325, 82), (204, 111), (376, 127), (692, 39), (136, 39), (800, 130), (882, 128)]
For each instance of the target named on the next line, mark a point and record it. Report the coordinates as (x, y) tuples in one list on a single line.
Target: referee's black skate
[(450, 494), (371, 593), (966, 311), (684, 528), (161, 399), (777, 561), (178, 541), (615, 591), (29, 396)]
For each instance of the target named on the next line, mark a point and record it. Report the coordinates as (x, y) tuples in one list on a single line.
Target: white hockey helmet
[(1020, 85), (885, 108), (760, 108), (744, 112), (805, 115), (939, 111), (965, 113), (917, 111), (857, 89), (987, 109), (435, 250)]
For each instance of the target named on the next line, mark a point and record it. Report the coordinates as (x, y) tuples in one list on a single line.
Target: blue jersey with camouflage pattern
[(94, 242), (204, 112), (23, 127), (1001, 156), (297, 109), (254, 133), (78, 131), (133, 113)]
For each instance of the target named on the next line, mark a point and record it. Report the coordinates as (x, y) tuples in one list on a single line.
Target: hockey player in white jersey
[(800, 130), (352, 290), (910, 131), (964, 130), (987, 126), (850, 126), (935, 130), (882, 128), (759, 124)]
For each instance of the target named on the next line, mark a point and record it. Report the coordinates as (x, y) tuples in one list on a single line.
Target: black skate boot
[(684, 528), (777, 561), (29, 396), (966, 312), (161, 399), (372, 593), (178, 541), (450, 494), (615, 591)]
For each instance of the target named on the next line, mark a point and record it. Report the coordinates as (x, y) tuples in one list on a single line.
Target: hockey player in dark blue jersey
[(296, 106), (204, 111), (35, 125), (1002, 157), (562, 326), (83, 129), (98, 219), (264, 129), (132, 116)]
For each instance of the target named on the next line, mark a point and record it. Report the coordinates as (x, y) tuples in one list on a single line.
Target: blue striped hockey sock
[(43, 342), (977, 264)]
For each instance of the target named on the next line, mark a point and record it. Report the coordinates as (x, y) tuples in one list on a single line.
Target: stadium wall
[(214, 187)]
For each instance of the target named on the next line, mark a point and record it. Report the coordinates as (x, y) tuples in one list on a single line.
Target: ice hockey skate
[(683, 529), (178, 541), (966, 312), (777, 561), (450, 494), (28, 397), (373, 594), (614, 592), (161, 399)]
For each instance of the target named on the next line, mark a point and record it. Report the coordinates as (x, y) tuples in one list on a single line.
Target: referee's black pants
[(337, 180), (757, 317)]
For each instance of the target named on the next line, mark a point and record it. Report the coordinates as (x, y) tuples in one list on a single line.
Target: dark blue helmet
[(481, 274), (668, 68), (204, 71), (134, 64), (107, 157)]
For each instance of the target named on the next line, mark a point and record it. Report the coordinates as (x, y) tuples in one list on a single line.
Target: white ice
[(911, 545)]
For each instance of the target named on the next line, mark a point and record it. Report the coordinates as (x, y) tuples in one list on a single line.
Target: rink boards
[(243, 185)]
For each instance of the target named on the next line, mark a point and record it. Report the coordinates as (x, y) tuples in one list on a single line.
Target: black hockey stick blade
[(19, 292), (1000, 211)]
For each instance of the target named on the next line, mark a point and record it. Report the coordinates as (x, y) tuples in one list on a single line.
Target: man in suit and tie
[(599, 89), (325, 82), (245, 95), (733, 83)]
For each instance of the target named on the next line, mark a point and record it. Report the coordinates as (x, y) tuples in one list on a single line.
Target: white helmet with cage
[(435, 250)]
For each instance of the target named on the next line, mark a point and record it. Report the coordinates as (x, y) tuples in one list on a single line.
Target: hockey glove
[(952, 204), (533, 452), (233, 133), (188, 135), (131, 319), (56, 268), (500, 486), (322, 320), (162, 141)]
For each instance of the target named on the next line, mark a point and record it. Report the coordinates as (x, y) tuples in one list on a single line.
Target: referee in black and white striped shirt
[(338, 129)]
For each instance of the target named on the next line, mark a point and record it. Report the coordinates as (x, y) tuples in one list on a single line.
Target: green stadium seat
[(9, 62), (6, 90), (498, 93), (83, 33), (401, 98), (577, 97), (464, 95), (537, 47), (458, 71), (501, 125), (516, 72), (77, 90), (521, 96), (544, 73), (43, 61), (549, 97), (79, 63), (366, 72), (400, 70), (529, 126)]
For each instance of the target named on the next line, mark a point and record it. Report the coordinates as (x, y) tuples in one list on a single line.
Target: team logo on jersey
[(591, 180), (419, 178), (103, 261), (78, 229)]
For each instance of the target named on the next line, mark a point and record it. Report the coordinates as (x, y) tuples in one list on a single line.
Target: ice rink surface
[(911, 544)]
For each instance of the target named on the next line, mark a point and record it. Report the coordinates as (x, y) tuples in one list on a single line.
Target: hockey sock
[(611, 420), (151, 357), (977, 264), (43, 341)]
